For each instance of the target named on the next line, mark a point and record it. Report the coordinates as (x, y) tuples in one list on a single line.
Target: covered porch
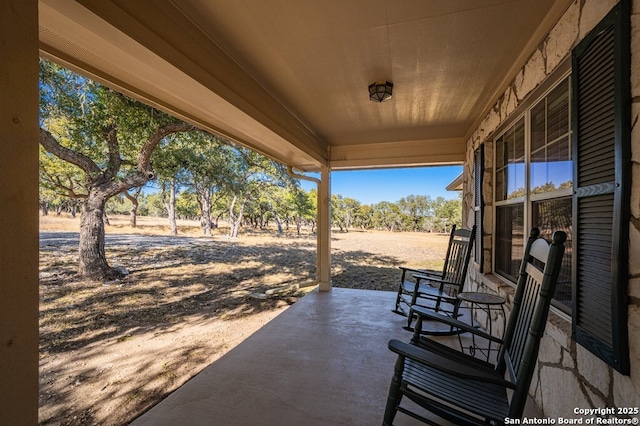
[(323, 361), (289, 80)]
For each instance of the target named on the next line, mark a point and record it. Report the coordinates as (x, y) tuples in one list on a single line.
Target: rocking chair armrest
[(440, 280), (426, 272), (426, 314), (455, 368)]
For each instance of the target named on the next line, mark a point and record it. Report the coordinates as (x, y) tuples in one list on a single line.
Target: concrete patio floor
[(323, 361)]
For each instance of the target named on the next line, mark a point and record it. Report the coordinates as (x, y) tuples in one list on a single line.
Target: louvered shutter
[(601, 151), (478, 205)]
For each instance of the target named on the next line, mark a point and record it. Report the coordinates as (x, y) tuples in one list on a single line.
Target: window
[(509, 240), (510, 163), (533, 184), (564, 164), (555, 215), (551, 167)]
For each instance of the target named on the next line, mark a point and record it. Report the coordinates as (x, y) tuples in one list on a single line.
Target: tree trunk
[(279, 223), (235, 220), (133, 213), (205, 212), (92, 260), (217, 221), (105, 183), (298, 226), (170, 205)]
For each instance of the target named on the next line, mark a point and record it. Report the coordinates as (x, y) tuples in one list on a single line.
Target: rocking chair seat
[(458, 380), (426, 291)]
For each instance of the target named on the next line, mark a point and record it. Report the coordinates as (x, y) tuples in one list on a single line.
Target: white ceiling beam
[(398, 154)]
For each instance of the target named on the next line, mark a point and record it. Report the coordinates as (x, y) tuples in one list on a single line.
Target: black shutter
[(601, 151), (478, 204)]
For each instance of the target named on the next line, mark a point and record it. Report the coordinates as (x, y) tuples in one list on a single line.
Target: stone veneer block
[(531, 75), (635, 141), (625, 393), (550, 352), (634, 330), (592, 12), (626, 390), (635, 132), (491, 122), (567, 360), (562, 38), (487, 223), (635, 155), (596, 400), (594, 371), (634, 247), (509, 103), (635, 54), (559, 329), (556, 401), (634, 291), (537, 394)]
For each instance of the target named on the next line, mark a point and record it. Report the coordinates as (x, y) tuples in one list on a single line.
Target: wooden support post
[(324, 230), (19, 212)]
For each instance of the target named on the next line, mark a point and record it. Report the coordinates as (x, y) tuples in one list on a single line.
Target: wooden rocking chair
[(465, 390), (431, 289)]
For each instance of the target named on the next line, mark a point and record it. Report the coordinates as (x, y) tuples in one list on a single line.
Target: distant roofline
[(456, 184)]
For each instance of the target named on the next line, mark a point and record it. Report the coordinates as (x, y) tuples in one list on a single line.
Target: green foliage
[(448, 213), (213, 176), (118, 206), (187, 206), (417, 211), (344, 211), (93, 136), (153, 204)]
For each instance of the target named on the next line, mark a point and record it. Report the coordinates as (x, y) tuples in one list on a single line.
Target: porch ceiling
[(289, 78)]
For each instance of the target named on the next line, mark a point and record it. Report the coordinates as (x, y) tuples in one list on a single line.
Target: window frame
[(562, 75)]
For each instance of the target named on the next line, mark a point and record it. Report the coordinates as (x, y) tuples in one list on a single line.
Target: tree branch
[(60, 188), (111, 136), (144, 157), (50, 143)]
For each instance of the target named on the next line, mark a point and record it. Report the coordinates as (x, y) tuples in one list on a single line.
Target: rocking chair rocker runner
[(437, 290), (465, 390)]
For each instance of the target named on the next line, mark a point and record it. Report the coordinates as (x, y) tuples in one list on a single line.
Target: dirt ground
[(109, 352)]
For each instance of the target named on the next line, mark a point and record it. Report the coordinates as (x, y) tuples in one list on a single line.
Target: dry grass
[(109, 352)]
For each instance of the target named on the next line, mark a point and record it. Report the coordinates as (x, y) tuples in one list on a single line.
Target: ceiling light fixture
[(380, 91)]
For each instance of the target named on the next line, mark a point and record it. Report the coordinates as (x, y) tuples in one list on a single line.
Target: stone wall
[(567, 376)]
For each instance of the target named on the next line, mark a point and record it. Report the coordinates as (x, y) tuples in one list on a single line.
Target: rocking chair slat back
[(449, 281), (454, 269), (453, 385), (530, 309)]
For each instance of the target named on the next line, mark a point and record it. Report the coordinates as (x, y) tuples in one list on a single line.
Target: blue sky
[(373, 186)]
